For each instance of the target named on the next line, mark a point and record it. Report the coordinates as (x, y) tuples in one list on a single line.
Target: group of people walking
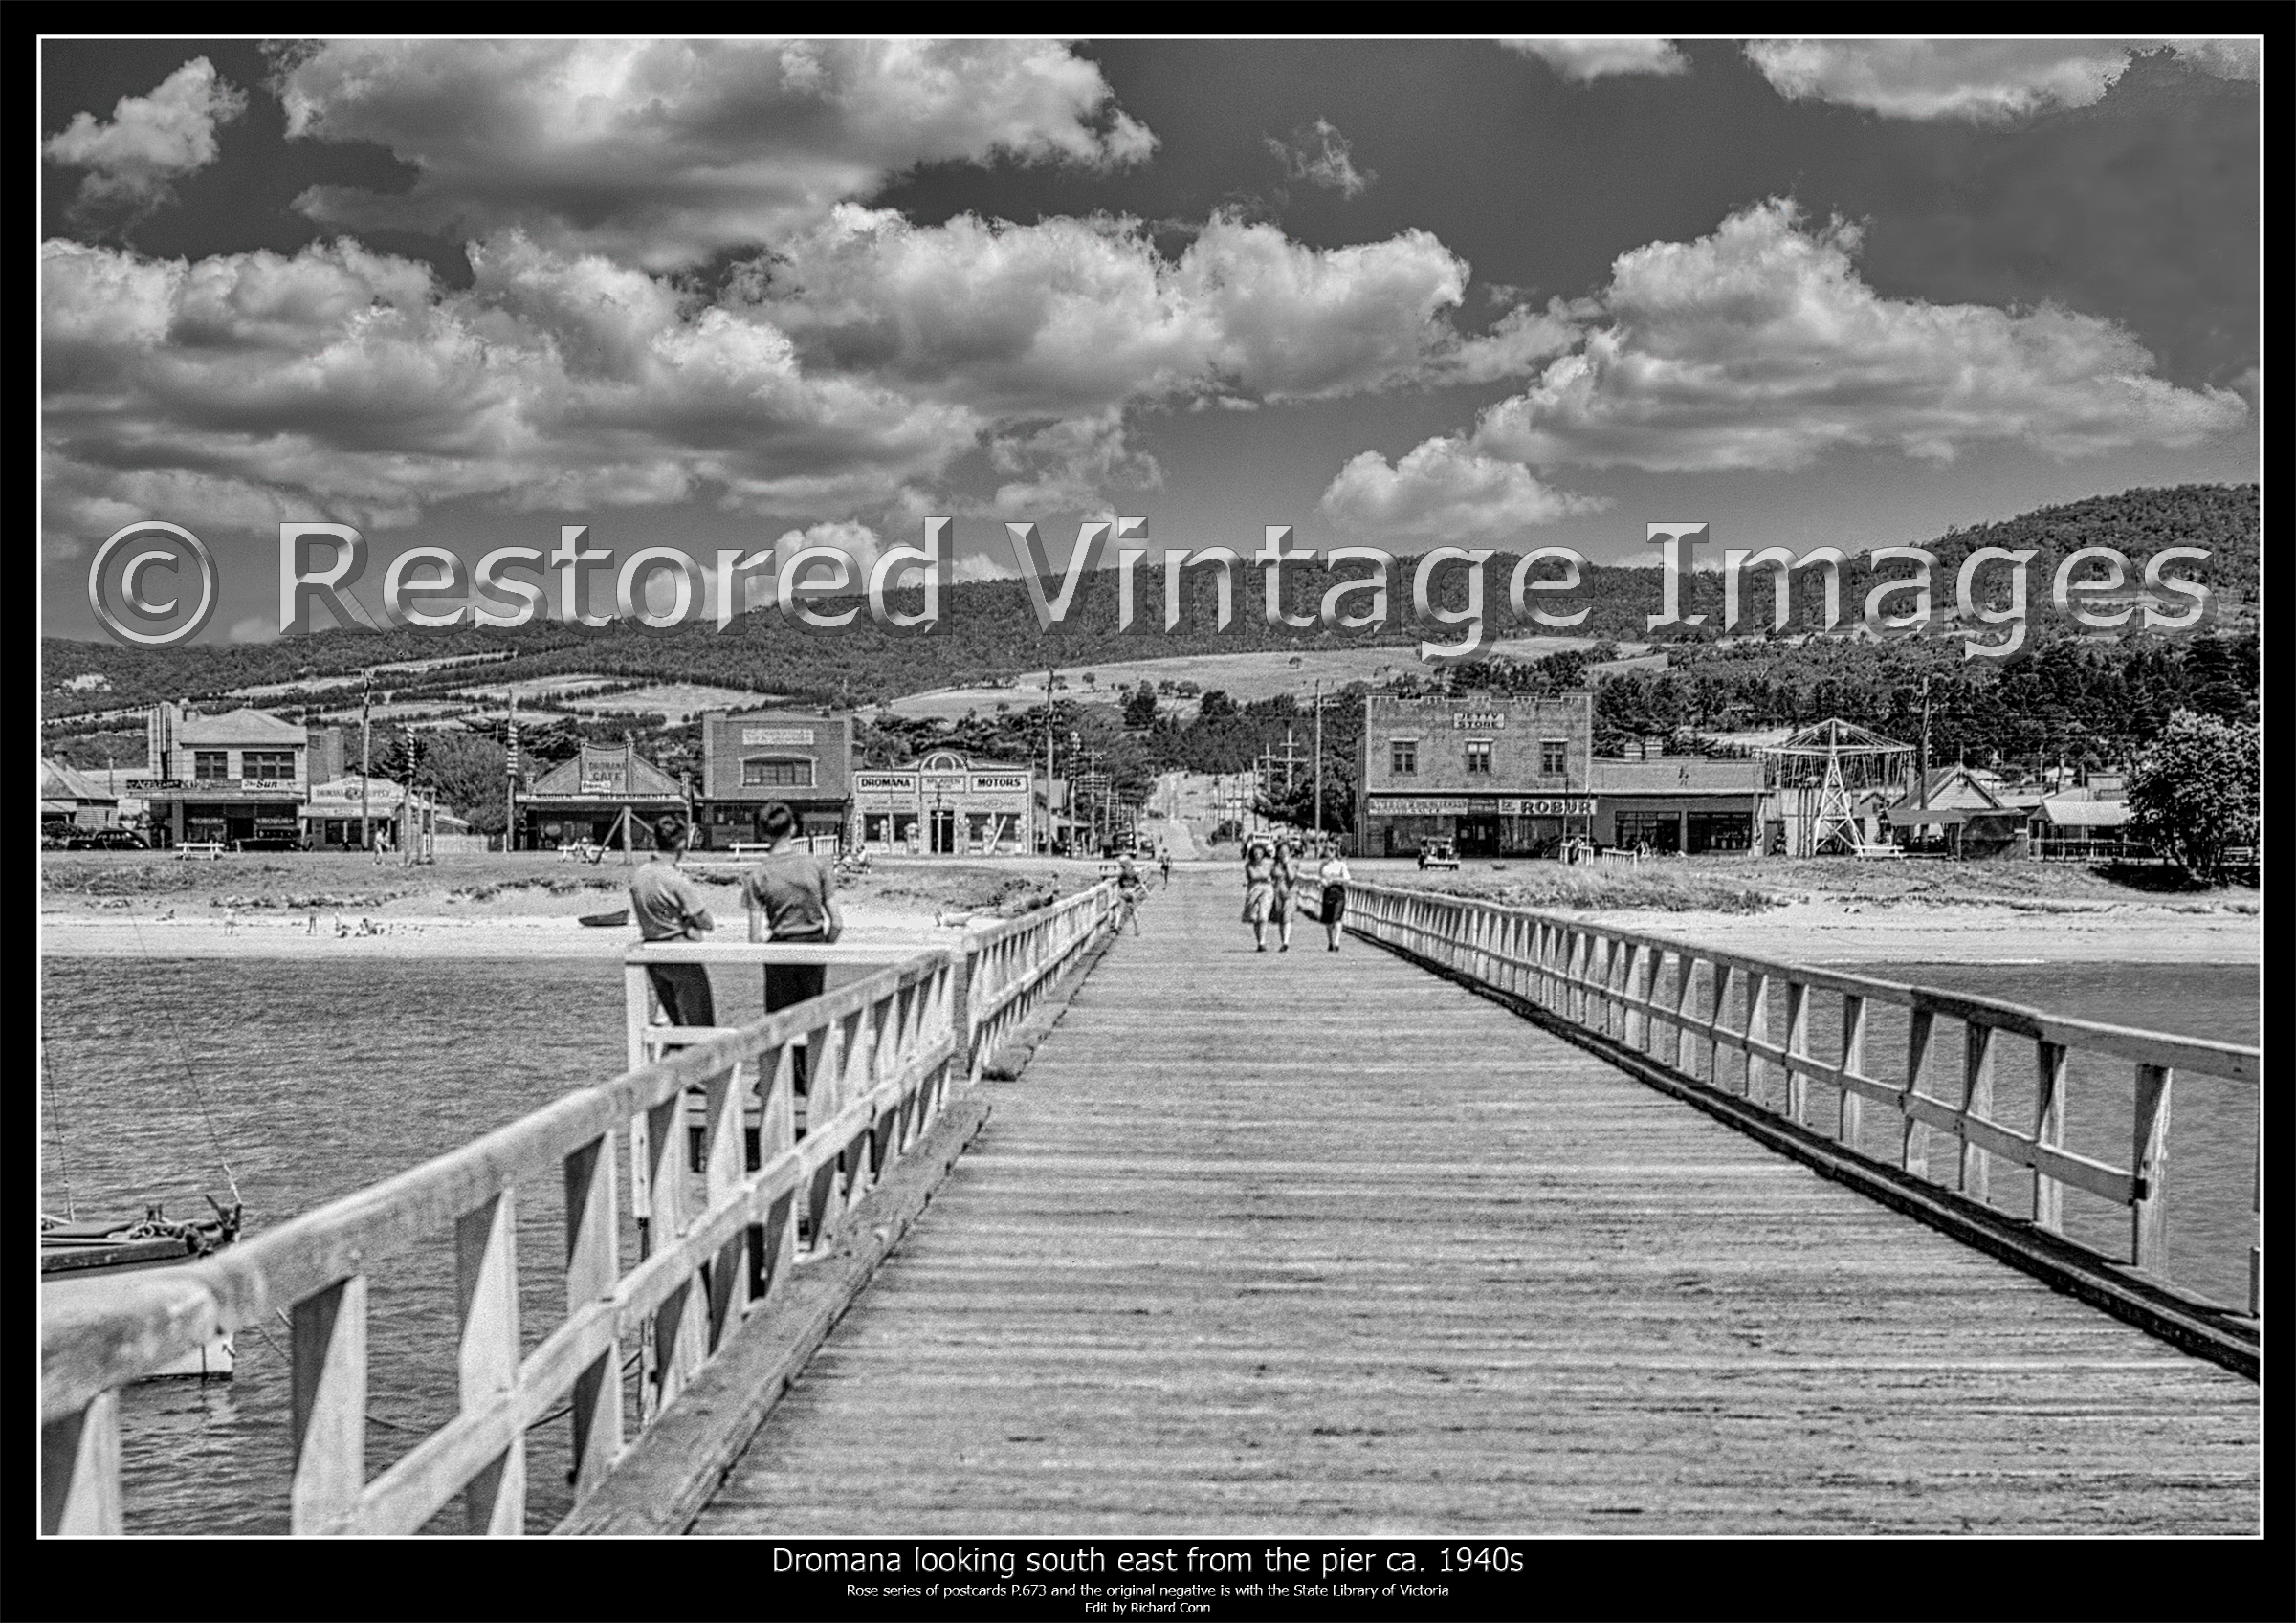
[(1272, 877)]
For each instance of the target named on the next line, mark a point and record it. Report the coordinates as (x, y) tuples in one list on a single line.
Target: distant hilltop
[(990, 631)]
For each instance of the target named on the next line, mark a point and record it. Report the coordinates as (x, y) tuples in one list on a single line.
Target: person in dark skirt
[(1333, 876)]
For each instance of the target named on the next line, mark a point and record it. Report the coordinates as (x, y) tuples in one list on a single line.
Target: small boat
[(78, 1260), (606, 921)]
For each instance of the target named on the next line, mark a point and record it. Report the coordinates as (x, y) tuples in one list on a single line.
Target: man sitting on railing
[(669, 909)]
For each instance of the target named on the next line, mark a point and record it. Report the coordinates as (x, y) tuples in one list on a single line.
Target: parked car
[(1438, 853), (106, 840)]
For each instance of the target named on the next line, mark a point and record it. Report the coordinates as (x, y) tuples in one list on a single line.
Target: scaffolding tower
[(1816, 776)]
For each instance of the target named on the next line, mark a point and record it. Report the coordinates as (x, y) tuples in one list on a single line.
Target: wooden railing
[(1010, 967), (1671, 1000), (883, 1056)]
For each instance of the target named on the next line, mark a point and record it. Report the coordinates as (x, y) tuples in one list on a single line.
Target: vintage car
[(1438, 853)]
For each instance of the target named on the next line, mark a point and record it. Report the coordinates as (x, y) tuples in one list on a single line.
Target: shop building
[(240, 777), (332, 817), (1677, 803), (583, 799), (948, 804), (802, 758), (1501, 775)]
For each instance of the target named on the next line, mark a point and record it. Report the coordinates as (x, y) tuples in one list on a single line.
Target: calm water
[(325, 1077)]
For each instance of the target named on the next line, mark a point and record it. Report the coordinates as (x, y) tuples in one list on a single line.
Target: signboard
[(999, 782), (1431, 805), (885, 783), (1479, 718), (777, 735), (602, 785), (943, 782)]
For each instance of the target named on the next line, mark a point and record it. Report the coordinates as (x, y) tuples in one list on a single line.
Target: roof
[(1676, 775), (238, 727), (608, 762), (1951, 788), (2066, 813), (59, 782)]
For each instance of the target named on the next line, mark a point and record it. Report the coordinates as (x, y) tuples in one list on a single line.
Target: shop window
[(774, 772), (212, 766), (1553, 758), (266, 766), (1478, 755), (1660, 831), (1402, 756)]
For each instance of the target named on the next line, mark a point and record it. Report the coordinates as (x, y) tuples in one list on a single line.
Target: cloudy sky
[(707, 294)]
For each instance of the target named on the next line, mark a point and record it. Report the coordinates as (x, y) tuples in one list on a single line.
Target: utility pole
[(1318, 757), (510, 786), (1048, 674), (1925, 743), (367, 740)]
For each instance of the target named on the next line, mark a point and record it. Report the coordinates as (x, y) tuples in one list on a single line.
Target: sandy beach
[(1828, 932), (270, 935)]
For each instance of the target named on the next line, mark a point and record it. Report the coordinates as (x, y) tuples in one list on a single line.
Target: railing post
[(1686, 987), (1976, 1100), (1798, 1047), (1913, 1143), (1757, 1029), (1849, 1112), (1717, 999), (722, 1169), (2149, 1163), (593, 1267), (2051, 1074), (80, 1469), (1635, 1026), (486, 1290), (327, 1346), (678, 1326)]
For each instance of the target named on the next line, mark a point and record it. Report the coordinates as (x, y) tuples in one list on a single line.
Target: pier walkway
[(1324, 1243)]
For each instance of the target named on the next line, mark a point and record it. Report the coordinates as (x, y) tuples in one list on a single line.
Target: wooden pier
[(1491, 1223)]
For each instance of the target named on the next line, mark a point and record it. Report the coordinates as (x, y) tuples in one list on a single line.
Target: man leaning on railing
[(667, 908)]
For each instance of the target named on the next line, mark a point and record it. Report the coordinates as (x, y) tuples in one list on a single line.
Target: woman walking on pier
[(1259, 888), (1285, 880), (1333, 876)]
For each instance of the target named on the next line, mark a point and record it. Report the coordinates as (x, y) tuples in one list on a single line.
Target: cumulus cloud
[(150, 140), (857, 541), (229, 389), (1592, 59), (1762, 347), (1320, 155), (1068, 316), (1444, 491), (662, 153), (1982, 80)]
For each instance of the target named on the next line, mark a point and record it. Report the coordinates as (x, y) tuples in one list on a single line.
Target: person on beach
[(1163, 860), (1333, 876), (792, 896), (1259, 888), (668, 908), (1285, 880)]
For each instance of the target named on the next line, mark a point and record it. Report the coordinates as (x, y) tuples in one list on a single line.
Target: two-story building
[(804, 758), (239, 777), (1501, 773), (948, 804)]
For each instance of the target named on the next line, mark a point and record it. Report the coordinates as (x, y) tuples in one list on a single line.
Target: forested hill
[(988, 629)]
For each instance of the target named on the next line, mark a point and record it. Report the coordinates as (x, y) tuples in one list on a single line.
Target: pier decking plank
[(1319, 1243)]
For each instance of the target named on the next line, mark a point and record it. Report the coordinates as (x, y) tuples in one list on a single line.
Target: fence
[(884, 1053), (1643, 992)]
